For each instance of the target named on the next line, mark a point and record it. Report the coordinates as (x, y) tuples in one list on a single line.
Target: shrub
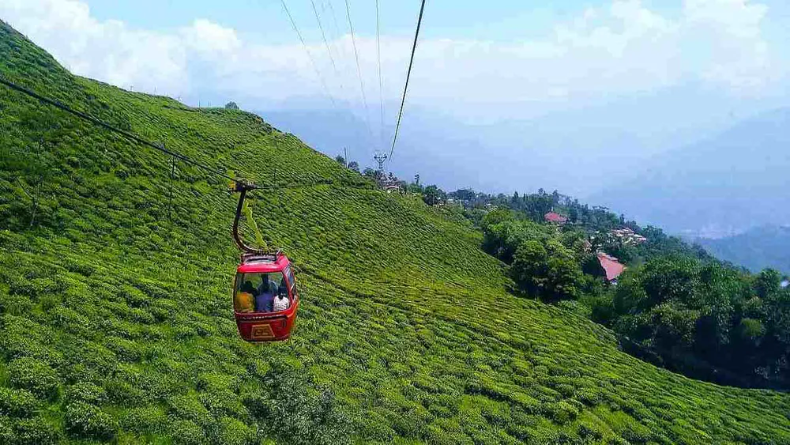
[(79, 266), (121, 392), (90, 422), (223, 402), (189, 407), (86, 392), (21, 337), (185, 432), (147, 419), (234, 432), (6, 430), (34, 431), (562, 412), (126, 350), (589, 432), (34, 375), (17, 402)]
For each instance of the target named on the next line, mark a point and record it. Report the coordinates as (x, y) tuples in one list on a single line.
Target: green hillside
[(115, 305), (755, 249)]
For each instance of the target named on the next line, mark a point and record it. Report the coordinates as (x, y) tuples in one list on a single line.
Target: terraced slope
[(116, 324)]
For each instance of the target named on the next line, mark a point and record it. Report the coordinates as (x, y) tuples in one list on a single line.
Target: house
[(628, 236), (611, 266), (555, 218)]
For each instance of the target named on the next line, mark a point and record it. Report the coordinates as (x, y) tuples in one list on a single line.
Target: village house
[(612, 266), (628, 236), (555, 218)]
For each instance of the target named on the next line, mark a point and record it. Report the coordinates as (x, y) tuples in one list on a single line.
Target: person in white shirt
[(281, 302)]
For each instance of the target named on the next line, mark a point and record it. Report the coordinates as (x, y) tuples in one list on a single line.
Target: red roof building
[(556, 218), (611, 265)]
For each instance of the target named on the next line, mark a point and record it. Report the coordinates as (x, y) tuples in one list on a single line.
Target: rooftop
[(611, 266), (555, 218)]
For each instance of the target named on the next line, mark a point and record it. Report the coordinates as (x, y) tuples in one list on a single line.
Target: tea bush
[(34, 431), (17, 402), (88, 421), (34, 375)]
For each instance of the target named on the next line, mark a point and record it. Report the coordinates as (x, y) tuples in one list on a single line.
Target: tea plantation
[(115, 305)]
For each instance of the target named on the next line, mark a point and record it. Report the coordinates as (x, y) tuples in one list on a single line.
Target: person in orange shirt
[(244, 300)]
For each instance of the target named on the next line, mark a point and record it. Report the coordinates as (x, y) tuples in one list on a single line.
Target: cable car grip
[(242, 186)]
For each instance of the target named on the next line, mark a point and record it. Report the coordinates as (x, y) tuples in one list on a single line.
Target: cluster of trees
[(544, 262), (351, 165), (536, 205), (704, 318), (675, 305)]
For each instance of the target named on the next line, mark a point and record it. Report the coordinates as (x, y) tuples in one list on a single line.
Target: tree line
[(675, 305)]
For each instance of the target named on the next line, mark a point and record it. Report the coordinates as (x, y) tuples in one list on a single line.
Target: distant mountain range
[(719, 187), (580, 149), (756, 249)]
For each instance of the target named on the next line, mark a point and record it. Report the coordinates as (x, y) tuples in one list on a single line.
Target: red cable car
[(265, 297)]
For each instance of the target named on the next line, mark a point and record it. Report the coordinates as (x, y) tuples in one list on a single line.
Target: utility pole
[(380, 159), (381, 178), (345, 156)]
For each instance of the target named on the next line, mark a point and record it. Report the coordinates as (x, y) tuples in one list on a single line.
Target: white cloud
[(618, 49)]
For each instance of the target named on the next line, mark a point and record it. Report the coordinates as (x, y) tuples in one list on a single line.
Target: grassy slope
[(405, 332)]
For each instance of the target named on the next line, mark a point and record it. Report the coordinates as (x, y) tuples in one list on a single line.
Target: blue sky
[(495, 20), (505, 19), (674, 70), (544, 52)]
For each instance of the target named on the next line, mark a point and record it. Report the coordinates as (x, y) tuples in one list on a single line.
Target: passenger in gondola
[(245, 298), (281, 302), (264, 300)]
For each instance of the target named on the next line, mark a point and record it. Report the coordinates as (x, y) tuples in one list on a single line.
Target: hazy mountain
[(756, 249), (718, 187), (440, 149), (579, 148)]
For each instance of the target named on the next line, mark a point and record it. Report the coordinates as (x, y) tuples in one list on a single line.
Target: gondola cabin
[(265, 297)]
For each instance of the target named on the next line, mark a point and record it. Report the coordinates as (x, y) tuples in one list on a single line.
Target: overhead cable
[(408, 76), (159, 147), (309, 55), (359, 70), (381, 82), (114, 129), (326, 43)]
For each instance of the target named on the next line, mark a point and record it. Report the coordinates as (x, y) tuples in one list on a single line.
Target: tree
[(548, 270), (354, 165), (573, 214), (340, 160), (432, 195), (369, 172), (464, 194), (231, 106), (529, 267), (564, 272), (767, 283), (417, 179)]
